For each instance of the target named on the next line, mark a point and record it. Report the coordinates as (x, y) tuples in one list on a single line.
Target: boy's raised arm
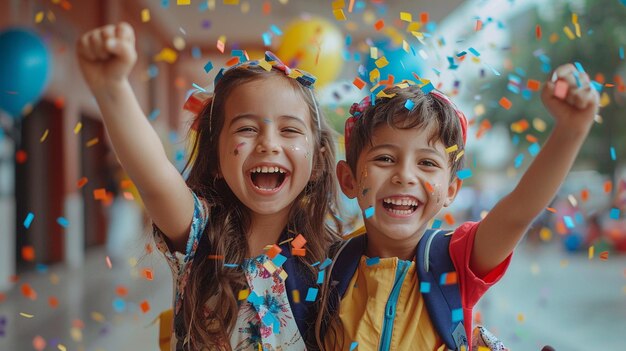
[(106, 56), (573, 109)]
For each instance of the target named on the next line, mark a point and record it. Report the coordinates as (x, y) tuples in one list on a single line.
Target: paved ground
[(547, 297)]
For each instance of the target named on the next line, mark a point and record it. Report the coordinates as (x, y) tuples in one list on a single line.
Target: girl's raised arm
[(106, 56)]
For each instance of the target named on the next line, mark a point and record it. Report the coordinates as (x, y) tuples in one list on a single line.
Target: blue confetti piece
[(614, 213), (254, 299), (315, 264), (274, 28), (464, 173), (579, 218), (311, 295), (119, 305), (154, 114), (428, 88), (348, 40), (63, 222), (267, 38), (372, 261), (437, 223), (527, 94), (409, 105), (515, 139), (577, 77), (1, 134), (203, 6), (325, 264), (279, 260), (597, 86), (474, 52), (198, 87), (621, 52), (461, 54), (424, 287), (353, 345), (613, 155), (442, 279), (208, 67), (519, 160), (153, 71), (180, 155), (457, 315), (320, 277), (437, 72), (165, 4), (369, 212), (231, 265), (568, 222), (579, 67), (196, 52), (29, 219), (533, 149), (41, 268), (493, 70)]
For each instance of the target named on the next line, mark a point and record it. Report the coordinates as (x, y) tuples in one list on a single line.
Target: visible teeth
[(266, 169), (400, 202), (401, 212)]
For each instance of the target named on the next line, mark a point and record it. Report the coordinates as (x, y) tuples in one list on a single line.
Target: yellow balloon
[(315, 46)]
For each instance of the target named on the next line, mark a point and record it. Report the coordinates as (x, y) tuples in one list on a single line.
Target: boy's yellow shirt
[(362, 311)]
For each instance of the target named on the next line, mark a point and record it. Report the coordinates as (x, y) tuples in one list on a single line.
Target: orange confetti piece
[(273, 251), (121, 290), (128, 196), (550, 209), (100, 194), (81, 182), (584, 195), (424, 17), (449, 218), (358, 82), (429, 187), (145, 306), (215, 257), (147, 273), (379, 24), (479, 25), (560, 227), (267, 8), (53, 302), (533, 84), (505, 103), (233, 61), (298, 242), (538, 32), (28, 291), (604, 255), (451, 278), (39, 343), (148, 248), (608, 186), (28, 253), (92, 142), (298, 252), (531, 138)]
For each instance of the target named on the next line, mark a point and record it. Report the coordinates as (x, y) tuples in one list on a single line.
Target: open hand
[(106, 54)]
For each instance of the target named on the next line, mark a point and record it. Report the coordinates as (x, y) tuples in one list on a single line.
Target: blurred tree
[(598, 45)]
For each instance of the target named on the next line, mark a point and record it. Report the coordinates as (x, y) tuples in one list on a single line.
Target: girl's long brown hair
[(312, 215)]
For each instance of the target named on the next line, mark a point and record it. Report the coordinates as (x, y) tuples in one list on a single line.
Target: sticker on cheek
[(236, 152), (429, 188)]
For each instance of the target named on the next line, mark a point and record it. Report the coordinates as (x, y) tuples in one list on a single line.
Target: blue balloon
[(401, 65), (24, 69)]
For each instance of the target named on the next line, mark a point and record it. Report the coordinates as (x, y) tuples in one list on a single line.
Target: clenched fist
[(107, 54)]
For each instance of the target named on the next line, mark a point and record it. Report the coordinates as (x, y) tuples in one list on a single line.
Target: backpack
[(433, 261)]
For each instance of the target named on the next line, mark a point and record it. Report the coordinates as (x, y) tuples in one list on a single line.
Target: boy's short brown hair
[(426, 109)]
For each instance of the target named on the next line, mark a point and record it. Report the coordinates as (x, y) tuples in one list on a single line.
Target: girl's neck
[(265, 230)]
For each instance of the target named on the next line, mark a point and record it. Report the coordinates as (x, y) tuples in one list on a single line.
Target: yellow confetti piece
[(406, 47), (295, 294), (459, 155), (569, 33), (339, 15), (269, 265), (76, 334), (184, 2), (520, 317), (545, 234), (483, 348), (168, 55), (44, 136), (605, 99), (283, 275), (92, 142), (266, 66), (574, 18), (406, 16), (97, 316), (26, 315), (374, 53), (338, 4), (78, 127), (577, 29), (374, 75), (414, 27), (535, 269), (381, 62), (61, 347), (243, 294), (145, 15), (564, 263), (452, 148), (479, 110), (231, 2), (51, 16), (539, 125), (39, 17), (591, 252)]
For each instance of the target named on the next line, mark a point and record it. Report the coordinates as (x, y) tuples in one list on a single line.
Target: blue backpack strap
[(342, 270), (443, 301)]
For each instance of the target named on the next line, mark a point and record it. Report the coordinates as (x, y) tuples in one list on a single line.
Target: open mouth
[(268, 178), (402, 206)]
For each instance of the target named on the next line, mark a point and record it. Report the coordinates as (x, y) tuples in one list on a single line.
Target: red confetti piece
[(584, 195), (538, 32), (121, 290), (424, 17), (81, 182), (145, 306), (505, 103), (28, 291), (358, 82), (21, 156), (100, 194), (147, 272), (379, 24), (53, 302), (28, 253), (533, 84), (604, 255), (233, 61), (608, 186)]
